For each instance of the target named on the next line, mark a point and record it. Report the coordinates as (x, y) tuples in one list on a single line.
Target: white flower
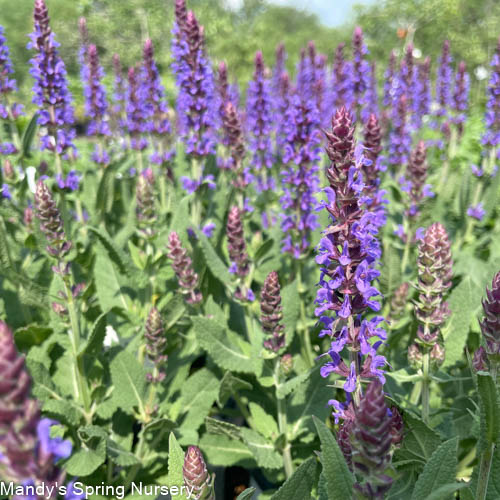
[(30, 174), (111, 337)]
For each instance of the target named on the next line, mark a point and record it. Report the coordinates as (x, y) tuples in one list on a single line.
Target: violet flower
[(443, 81), (422, 97), (359, 70), (70, 183), (50, 89), (348, 253), (300, 179), (136, 111), (28, 454), (8, 111), (156, 109), (400, 138), (96, 105), (476, 211), (491, 137), (370, 99), (119, 94), (196, 98), (340, 85), (259, 125), (460, 98)]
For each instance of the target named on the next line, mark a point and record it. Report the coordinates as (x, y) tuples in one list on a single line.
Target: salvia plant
[(292, 294)]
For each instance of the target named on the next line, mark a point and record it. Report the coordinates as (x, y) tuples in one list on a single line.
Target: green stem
[(425, 386), (487, 456), (81, 388), (353, 358), (196, 203), (305, 336), (282, 423), (406, 252)]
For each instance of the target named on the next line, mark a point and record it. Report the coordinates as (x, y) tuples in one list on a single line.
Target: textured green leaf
[(247, 494), (119, 456), (307, 400), (62, 410), (463, 301), (439, 470), (390, 275), (197, 397), (28, 136), (263, 450), (115, 253), (214, 339), (129, 381), (420, 440), (290, 299), (96, 336), (230, 385), (300, 485), (338, 477), (109, 284), (180, 220), (175, 464), (290, 385), (490, 412), (263, 422), (213, 261), (446, 491), (31, 335), (224, 451), (85, 461), (222, 428)]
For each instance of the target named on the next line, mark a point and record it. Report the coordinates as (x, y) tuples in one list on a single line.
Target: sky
[(329, 12)]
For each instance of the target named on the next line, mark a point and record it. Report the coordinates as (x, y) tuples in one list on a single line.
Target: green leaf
[(105, 191), (247, 494), (197, 397), (96, 337), (85, 461), (290, 299), (28, 136), (114, 253), (175, 464), (214, 338), (180, 220), (129, 381), (307, 400), (230, 385), (263, 422), (214, 262), (439, 470), (488, 402), (291, 384), (420, 441), (338, 477), (62, 410), (263, 250), (463, 302), (226, 452), (109, 284), (390, 276), (300, 485), (402, 375), (120, 456), (263, 450), (31, 335), (446, 491), (222, 428)]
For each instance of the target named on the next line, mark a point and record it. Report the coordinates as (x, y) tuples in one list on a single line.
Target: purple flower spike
[(271, 313), (196, 103), (491, 138), (348, 254), (460, 99), (50, 89), (443, 81), (259, 124), (300, 175)]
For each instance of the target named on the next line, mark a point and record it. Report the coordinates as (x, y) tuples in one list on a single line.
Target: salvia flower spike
[(155, 344), (490, 324), (145, 196), (196, 475), (51, 223), (348, 253), (272, 313), (27, 452), (50, 89), (372, 436), (183, 268)]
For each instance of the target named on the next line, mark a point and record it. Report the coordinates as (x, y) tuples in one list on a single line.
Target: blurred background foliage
[(234, 35)]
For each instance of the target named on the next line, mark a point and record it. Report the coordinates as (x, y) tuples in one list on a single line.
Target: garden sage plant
[(275, 286)]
